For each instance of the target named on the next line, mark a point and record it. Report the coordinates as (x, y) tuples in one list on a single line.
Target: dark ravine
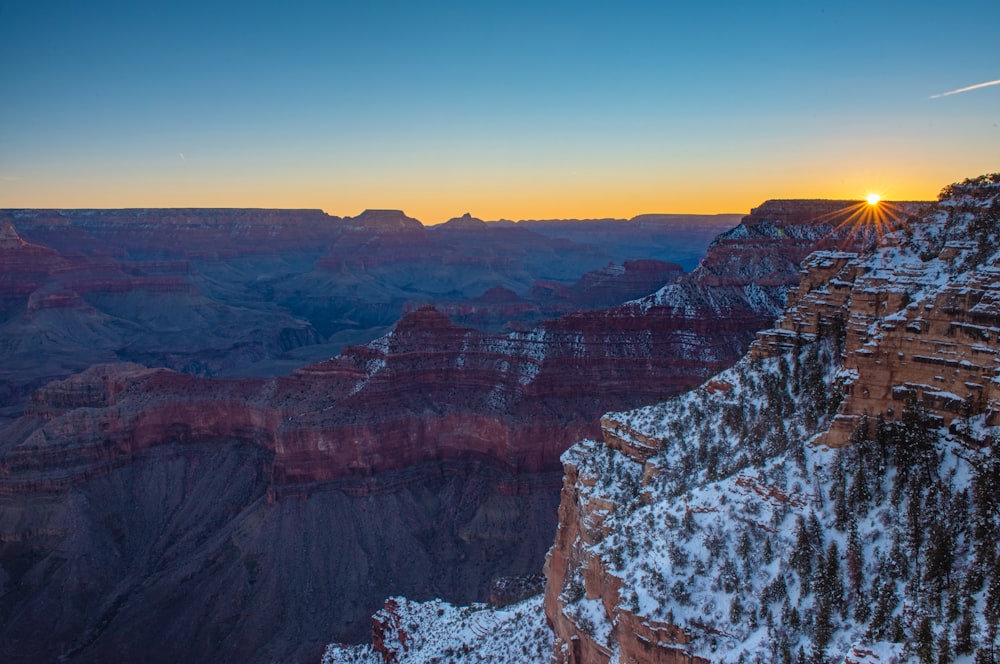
[(181, 556)]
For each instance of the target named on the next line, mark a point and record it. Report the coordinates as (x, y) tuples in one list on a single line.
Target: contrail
[(971, 87)]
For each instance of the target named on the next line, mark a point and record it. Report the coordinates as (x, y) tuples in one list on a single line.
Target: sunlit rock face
[(919, 319)]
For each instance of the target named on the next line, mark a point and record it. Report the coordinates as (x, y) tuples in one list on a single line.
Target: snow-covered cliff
[(718, 526)]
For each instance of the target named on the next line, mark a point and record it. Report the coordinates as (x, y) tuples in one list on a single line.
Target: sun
[(873, 199)]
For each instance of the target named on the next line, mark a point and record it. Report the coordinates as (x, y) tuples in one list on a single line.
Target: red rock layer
[(434, 391)]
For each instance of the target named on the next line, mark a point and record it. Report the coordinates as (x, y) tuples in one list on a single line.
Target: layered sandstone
[(500, 309), (577, 575), (432, 390), (905, 340), (585, 598), (238, 292)]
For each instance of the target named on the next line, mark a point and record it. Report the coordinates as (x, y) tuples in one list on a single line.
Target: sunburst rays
[(863, 225)]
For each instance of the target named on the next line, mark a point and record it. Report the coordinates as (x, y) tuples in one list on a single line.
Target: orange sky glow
[(511, 110)]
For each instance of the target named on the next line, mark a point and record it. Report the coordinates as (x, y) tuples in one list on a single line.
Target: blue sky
[(512, 109)]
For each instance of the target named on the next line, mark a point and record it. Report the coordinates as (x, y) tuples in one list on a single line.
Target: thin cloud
[(181, 154), (971, 87)]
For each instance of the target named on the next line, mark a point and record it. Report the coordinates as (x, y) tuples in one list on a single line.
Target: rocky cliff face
[(720, 526), (500, 309), (154, 233), (920, 328), (181, 556)]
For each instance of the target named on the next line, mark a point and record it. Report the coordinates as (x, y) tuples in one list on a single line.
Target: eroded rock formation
[(432, 390), (908, 330), (230, 292), (906, 341)]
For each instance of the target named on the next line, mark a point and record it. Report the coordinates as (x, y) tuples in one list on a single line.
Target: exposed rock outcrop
[(658, 516), (9, 239), (906, 340)]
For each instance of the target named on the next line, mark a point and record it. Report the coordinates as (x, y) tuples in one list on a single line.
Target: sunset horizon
[(439, 214), (518, 112)]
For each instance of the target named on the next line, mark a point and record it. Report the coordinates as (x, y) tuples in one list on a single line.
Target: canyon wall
[(431, 390), (263, 292), (907, 340), (659, 512)]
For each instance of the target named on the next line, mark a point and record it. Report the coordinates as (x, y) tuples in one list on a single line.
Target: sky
[(517, 110)]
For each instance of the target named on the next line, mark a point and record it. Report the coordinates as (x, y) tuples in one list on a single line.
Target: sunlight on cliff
[(872, 220), (866, 222)]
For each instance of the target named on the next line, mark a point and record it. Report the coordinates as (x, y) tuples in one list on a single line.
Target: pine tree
[(799, 453), (823, 627), (794, 619), (729, 576), (735, 610), (797, 362), (915, 524), (743, 549), (992, 612), (855, 560), (862, 608), (815, 530), (879, 626), (802, 554), (778, 438), (784, 649), (838, 492), (985, 656), (859, 495), (940, 556), (833, 580), (965, 635), (924, 641), (884, 435), (986, 497), (944, 649)]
